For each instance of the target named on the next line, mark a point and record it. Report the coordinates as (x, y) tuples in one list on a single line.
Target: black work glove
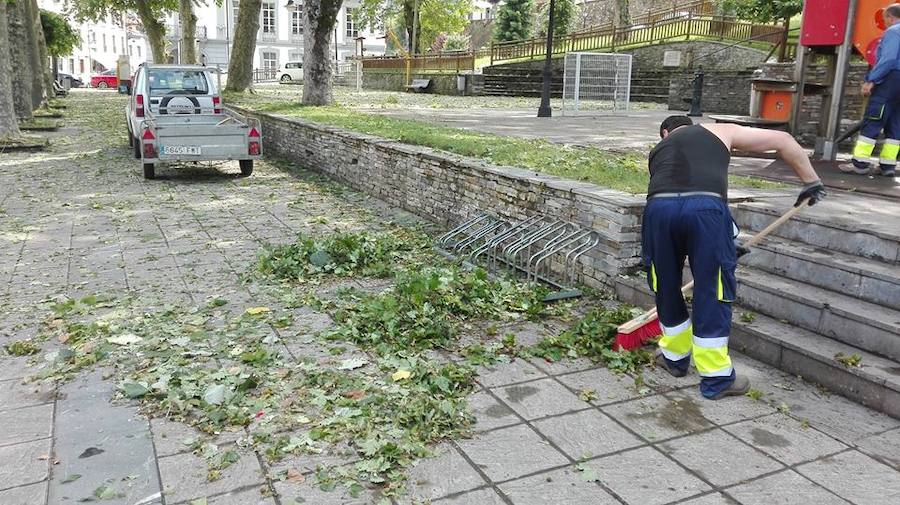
[(815, 191)]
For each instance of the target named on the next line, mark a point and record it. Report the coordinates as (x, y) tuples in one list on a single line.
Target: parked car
[(105, 79), (290, 71), (175, 114), (74, 81)]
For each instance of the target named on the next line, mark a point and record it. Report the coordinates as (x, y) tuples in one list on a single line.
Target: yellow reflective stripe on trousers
[(863, 148), (675, 343), (653, 277), (711, 357), (889, 152), (720, 288)]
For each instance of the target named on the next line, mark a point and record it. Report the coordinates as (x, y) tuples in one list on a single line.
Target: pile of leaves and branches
[(344, 254)]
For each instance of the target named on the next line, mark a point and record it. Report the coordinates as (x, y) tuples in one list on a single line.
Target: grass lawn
[(626, 172)]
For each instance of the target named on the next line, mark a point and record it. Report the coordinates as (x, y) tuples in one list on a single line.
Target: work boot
[(859, 168), (662, 363), (887, 170), (739, 387)]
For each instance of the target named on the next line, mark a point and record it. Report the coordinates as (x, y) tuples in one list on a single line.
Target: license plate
[(190, 150)]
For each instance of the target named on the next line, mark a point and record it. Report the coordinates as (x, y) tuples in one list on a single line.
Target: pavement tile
[(719, 457), (184, 476), (855, 477), (658, 418), (252, 496), (783, 488), (512, 452), (563, 366), (485, 496), (308, 492), (331, 456), (490, 413), (24, 463), (711, 499), (723, 411), (541, 398), (587, 434), (445, 474), (28, 423), (18, 367), (529, 333), (564, 485), (646, 477), (508, 373), (607, 386), (17, 394), (169, 436), (884, 447), (35, 494), (785, 439)]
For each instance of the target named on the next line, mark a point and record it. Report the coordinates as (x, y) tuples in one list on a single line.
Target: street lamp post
[(544, 109)]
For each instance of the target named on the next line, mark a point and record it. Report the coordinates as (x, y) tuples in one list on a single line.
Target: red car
[(106, 79)]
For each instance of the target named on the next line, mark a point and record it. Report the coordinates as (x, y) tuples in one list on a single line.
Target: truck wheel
[(285, 78), (149, 171), (136, 144), (102, 85), (246, 167)]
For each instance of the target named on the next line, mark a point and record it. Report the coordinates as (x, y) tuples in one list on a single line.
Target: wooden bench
[(756, 122), (419, 85), (59, 90)]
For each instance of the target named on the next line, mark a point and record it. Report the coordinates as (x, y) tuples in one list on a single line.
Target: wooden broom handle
[(650, 315)]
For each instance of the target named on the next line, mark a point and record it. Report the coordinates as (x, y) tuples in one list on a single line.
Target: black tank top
[(690, 159)]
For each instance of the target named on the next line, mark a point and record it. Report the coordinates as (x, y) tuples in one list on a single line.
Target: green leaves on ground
[(22, 348), (343, 254), (592, 337)]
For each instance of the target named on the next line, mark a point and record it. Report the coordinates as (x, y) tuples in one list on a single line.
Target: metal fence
[(594, 82), (425, 63), (265, 74)]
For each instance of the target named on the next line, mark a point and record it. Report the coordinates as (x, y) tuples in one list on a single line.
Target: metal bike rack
[(540, 248)]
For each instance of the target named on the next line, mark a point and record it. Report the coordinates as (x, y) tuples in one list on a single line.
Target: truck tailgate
[(202, 141)]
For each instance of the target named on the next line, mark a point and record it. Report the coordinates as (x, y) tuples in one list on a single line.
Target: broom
[(645, 327)]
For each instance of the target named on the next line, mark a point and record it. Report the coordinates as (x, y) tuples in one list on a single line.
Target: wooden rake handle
[(651, 314)]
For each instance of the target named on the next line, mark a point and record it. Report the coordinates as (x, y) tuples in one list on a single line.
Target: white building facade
[(102, 42), (280, 36)]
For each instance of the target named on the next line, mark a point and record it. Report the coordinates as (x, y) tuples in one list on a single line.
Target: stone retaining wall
[(448, 189), (723, 92)]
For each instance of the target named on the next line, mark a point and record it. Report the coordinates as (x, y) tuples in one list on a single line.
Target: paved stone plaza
[(79, 220)]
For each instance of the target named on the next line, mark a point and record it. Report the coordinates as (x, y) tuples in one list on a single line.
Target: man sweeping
[(687, 216), (882, 86)]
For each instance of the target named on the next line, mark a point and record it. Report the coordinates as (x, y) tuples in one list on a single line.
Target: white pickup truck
[(175, 115)]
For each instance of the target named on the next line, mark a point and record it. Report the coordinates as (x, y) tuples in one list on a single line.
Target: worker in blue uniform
[(882, 86), (687, 217)]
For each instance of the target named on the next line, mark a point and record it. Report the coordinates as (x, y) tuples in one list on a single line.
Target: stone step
[(868, 326), (861, 226), (649, 98), (863, 278), (875, 383)]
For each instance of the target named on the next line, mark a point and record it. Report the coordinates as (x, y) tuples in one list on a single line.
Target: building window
[(81, 65), (295, 56), (297, 21), (114, 43), (268, 18), (138, 51), (352, 31), (72, 65), (270, 60), (130, 49), (104, 42), (234, 14)]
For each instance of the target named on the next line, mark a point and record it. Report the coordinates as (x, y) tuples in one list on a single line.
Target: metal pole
[(829, 149), (800, 79), (577, 80), (544, 110)]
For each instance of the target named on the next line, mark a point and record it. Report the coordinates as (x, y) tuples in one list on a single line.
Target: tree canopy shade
[(149, 11), (61, 38), (513, 21), (764, 11)]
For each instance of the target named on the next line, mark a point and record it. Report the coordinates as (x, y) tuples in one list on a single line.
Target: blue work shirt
[(888, 55)]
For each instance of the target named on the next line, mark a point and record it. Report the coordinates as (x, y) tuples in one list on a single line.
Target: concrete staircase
[(828, 282), (511, 80), (650, 86)]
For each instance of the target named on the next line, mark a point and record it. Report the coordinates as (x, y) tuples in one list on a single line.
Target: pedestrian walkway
[(80, 221)]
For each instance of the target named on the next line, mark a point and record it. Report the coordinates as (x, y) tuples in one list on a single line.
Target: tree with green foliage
[(621, 13), (513, 21), (428, 18), (59, 36), (764, 11), (150, 13), (563, 18)]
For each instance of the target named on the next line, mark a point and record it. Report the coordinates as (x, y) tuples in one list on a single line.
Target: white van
[(291, 71)]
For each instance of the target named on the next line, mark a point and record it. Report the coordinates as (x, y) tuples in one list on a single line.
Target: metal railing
[(264, 74)]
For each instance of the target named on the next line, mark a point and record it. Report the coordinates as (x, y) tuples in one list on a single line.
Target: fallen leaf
[(63, 338), (134, 390), (588, 474), (72, 477), (400, 375), (125, 339), (198, 501), (352, 364), (44, 457), (255, 311), (355, 394), (295, 476), (215, 395)]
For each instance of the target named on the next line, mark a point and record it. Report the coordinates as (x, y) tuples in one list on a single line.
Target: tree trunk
[(33, 53), (320, 19), (19, 58), (188, 31), (9, 126), (622, 15), (240, 67), (43, 69), (155, 30), (412, 24)]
